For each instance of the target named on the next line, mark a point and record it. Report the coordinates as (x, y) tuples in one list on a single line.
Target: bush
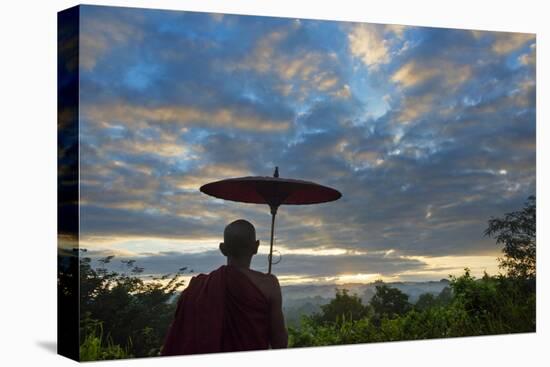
[(93, 348), (486, 306), (129, 311)]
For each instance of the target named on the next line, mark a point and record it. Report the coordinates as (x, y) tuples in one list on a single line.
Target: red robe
[(219, 312)]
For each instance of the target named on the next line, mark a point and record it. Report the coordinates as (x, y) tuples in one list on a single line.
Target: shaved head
[(239, 239)]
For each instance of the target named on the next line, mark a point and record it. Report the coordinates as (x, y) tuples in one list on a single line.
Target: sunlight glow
[(143, 246)]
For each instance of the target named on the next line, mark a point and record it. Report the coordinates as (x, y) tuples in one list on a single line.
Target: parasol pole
[(273, 207), (270, 258)]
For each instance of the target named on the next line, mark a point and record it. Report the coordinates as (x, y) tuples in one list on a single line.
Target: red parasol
[(273, 191)]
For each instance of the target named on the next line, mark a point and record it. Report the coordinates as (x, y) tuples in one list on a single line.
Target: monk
[(233, 308)]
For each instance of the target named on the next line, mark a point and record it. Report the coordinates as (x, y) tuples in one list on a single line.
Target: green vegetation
[(120, 309), (342, 307), (121, 316), (490, 305), (517, 232), (93, 348), (486, 306)]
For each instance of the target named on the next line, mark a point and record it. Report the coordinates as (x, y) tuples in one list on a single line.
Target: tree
[(389, 302), (342, 306), (516, 231), (445, 296), (122, 315), (425, 302)]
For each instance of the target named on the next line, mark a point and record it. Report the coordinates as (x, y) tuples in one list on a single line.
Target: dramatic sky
[(427, 132)]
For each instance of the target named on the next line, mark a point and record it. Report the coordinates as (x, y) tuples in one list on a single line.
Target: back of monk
[(219, 312)]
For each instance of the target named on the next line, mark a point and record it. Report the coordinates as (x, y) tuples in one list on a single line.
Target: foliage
[(517, 232), (309, 306), (131, 312), (93, 347), (486, 306), (425, 301), (389, 302), (496, 304), (444, 297), (429, 300), (343, 306)]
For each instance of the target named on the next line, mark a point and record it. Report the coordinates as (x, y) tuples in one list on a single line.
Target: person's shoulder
[(274, 287), (272, 283), (201, 277), (196, 280), (273, 279), (268, 282), (265, 276)]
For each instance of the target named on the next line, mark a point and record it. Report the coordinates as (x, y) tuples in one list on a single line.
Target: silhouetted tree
[(389, 302), (445, 296), (342, 306), (425, 302), (124, 309), (517, 232)]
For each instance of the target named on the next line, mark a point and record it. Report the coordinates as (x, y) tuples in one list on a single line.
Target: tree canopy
[(516, 231), (343, 306), (389, 302)]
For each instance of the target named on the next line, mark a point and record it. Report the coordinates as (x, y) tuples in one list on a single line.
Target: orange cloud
[(139, 116), (414, 73), (99, 35), (370, 43), (508, 42), (299, 73)]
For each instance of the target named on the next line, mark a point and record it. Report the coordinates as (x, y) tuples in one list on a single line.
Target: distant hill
[(299, 300)]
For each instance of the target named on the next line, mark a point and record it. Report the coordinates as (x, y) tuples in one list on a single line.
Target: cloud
[(139, 223), (507, 42), (319, 269), (298, 70), (411, 74), (138, 116), (100, 34), (310, 265), (371, 43), (414, 73), (344, 92), (261, 59), (417, 148), (158, 143), (414, 106), (529, 57), (210, 173)]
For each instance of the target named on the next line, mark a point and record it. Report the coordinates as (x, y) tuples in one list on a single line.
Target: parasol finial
[(276, 173)]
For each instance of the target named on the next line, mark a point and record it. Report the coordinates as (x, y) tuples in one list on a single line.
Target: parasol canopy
[(273, 191)]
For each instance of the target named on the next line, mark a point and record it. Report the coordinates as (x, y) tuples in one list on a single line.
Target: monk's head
[(239, 240)]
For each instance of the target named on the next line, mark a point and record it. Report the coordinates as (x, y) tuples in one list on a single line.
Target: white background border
[(28, 181)]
